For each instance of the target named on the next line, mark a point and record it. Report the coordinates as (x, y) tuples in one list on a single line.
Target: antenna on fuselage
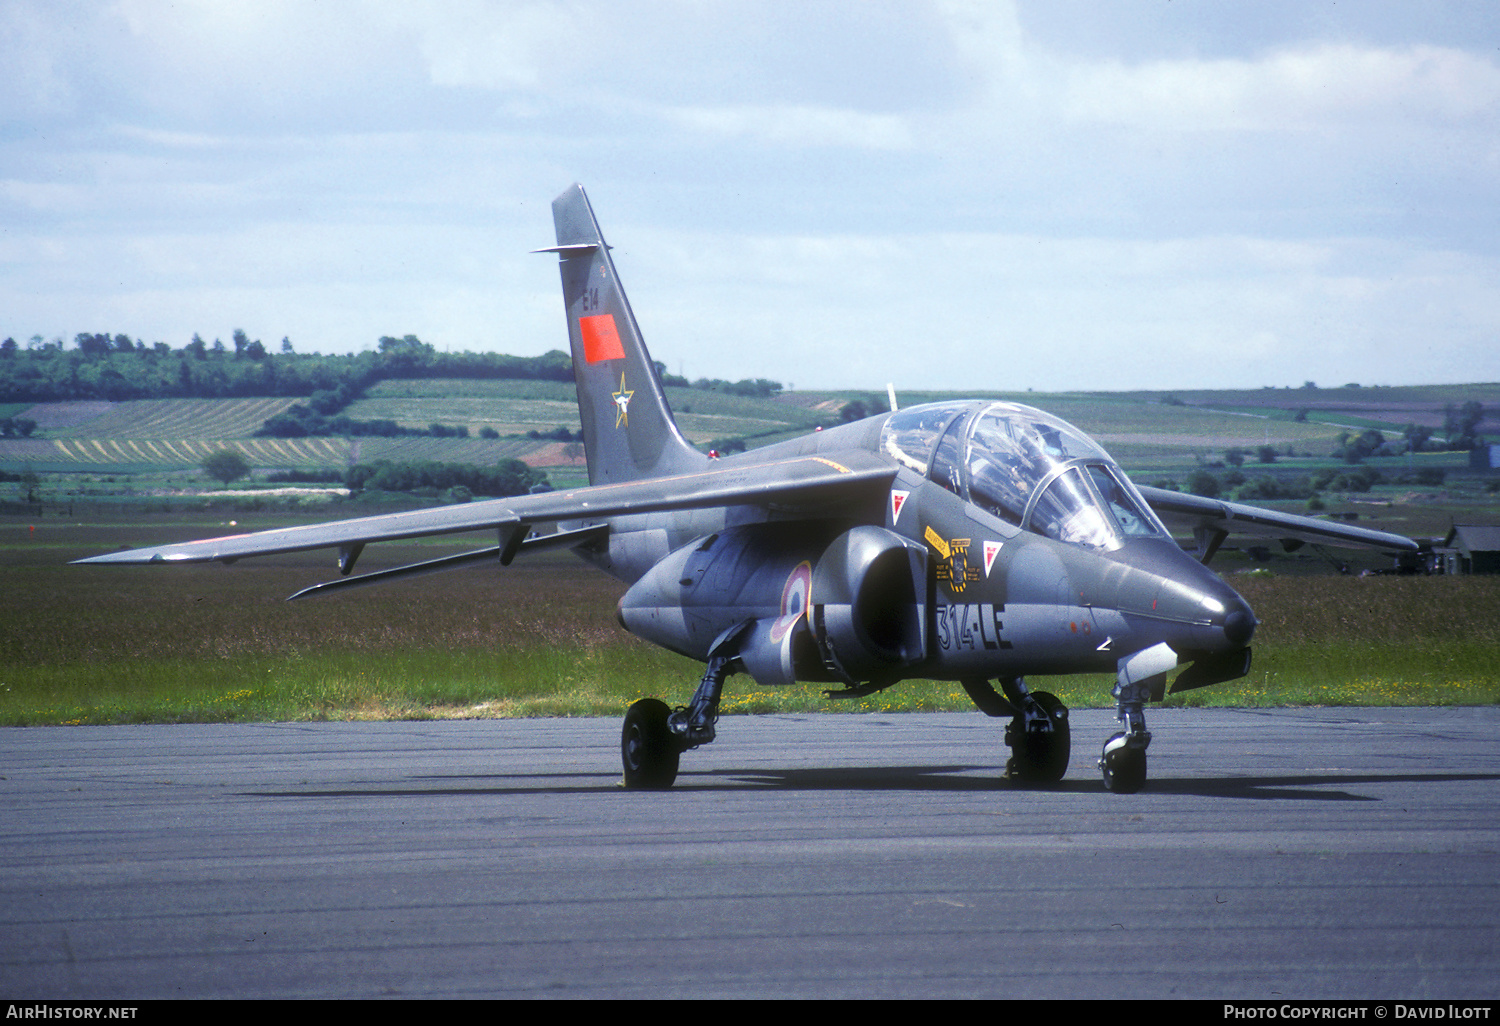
[(890, 393)]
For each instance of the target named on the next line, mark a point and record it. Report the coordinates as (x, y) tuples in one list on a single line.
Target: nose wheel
[(1123, 767)]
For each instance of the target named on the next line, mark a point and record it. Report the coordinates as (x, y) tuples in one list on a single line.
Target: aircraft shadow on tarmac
[(950, 778), (1308, 786)]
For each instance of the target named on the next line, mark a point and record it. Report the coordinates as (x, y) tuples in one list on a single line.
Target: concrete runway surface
[(1274, 855)]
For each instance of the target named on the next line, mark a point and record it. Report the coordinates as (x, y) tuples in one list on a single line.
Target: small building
[(1469, 549)]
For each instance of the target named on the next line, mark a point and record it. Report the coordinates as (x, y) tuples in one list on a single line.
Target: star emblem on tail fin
[(622, 404)]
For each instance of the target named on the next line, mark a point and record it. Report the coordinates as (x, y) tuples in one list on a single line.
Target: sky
[(942, 194)]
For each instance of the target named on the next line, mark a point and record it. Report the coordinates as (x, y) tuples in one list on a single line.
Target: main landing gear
[(654, 737), (647, 747), (1037, 734)]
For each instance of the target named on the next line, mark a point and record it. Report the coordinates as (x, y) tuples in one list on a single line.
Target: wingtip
[(130, 557)]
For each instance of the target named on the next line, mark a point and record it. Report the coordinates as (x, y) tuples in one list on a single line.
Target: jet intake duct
[(868, 604), (844, 610)]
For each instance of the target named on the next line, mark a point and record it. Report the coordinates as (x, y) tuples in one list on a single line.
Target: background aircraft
[(973, 541)]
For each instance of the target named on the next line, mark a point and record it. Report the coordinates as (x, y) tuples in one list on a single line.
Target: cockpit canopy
[(1027, 468)]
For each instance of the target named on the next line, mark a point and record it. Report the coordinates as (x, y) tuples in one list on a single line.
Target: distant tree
[(1416, 436), (92, 345), (1201, 482), (853, 410), (1265, 454), (1235, 457), (226, 465), (1461, 425)]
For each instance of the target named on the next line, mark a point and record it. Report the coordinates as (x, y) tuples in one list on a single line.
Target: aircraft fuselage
[(985, 598)]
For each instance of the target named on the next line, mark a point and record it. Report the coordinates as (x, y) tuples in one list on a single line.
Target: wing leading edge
[(799, 481)]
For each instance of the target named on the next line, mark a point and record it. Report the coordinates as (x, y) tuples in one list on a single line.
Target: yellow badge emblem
[(955, 569)]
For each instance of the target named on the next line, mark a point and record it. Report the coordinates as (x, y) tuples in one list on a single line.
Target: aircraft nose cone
[(1239, 627)]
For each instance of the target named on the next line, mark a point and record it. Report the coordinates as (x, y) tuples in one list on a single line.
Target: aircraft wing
[(802, 481), (1211, 520)]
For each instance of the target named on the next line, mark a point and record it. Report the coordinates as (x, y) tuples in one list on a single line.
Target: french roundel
[(794, 597)]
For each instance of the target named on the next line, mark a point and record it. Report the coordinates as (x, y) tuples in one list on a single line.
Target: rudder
[(628, 429)]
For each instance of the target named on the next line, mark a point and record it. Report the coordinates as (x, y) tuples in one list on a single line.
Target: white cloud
[(1323, 86), (798, 126), (837, 193), (522, 45)]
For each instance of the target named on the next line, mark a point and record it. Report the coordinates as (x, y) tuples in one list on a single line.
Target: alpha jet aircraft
[(980, 542)]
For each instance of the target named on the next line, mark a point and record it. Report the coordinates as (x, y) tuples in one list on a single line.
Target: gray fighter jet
[(982, 542)]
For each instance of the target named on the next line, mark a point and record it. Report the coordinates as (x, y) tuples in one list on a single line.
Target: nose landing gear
[(1142, 676)]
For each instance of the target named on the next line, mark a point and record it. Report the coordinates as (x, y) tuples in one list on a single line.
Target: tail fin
[(628, 430)]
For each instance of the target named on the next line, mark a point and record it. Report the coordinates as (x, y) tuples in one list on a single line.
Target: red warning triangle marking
[(898, 499), (991, 550)]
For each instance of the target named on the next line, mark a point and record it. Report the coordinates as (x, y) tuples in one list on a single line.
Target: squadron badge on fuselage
[(955, 570)]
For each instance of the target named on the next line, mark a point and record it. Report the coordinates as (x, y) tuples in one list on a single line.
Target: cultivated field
[(1147, 432)]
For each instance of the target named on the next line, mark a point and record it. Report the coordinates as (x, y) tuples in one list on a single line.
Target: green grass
[(214, 643), (107, 645)]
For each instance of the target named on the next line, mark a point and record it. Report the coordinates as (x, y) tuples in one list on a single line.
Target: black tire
[(1124, 769), (647, 747), (1039, 758)]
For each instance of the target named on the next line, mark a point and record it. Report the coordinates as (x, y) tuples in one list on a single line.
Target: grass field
[(218, 643), (215, 643)]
